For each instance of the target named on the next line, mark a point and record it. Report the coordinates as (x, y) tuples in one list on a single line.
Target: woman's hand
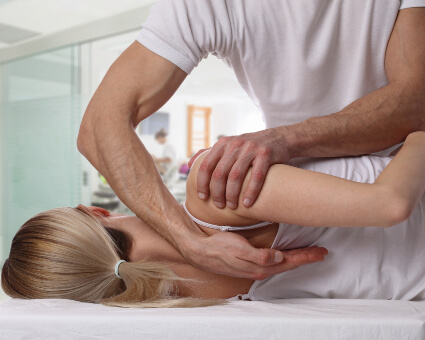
[(231, 254)]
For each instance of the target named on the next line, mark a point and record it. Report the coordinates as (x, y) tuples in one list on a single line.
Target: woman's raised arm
[(297, 196)]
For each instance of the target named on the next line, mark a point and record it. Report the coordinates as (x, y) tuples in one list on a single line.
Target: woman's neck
[(206, 285)]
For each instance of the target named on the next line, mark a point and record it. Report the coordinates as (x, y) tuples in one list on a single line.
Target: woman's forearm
[(303, 197)]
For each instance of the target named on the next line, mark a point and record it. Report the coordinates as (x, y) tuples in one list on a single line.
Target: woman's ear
[(99, 211)]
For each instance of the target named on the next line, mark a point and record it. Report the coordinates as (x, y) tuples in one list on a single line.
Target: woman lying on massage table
[(75, 253)]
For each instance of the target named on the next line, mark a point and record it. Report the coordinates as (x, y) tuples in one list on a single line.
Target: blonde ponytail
[(66, 253)]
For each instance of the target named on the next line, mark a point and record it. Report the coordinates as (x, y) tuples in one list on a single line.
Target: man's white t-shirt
[(295, 58)]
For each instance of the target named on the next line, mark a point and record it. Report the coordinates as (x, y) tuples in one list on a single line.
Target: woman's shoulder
[(205, 210)]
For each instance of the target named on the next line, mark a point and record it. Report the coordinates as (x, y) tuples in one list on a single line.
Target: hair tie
[(117, 267)]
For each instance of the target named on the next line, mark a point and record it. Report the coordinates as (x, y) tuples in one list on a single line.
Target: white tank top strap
[(224, 228)]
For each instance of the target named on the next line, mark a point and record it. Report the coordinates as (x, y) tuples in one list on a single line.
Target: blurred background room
[(53, 55)]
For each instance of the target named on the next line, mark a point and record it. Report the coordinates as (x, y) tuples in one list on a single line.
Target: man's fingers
[(269, 257), (261, 257), (312, 249), (235, 180), (256, 181), (304, 256), (195, 156), (291, 260), (205, 171), (219, 179), (258, 272)]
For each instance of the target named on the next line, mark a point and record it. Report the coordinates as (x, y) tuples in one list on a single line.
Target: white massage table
[(296, 319)]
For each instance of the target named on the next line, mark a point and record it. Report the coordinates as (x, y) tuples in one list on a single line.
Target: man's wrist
[(187, 234), (190, 246), (301, 139), (290, 138)]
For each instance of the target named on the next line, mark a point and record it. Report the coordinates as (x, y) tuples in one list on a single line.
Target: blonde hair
[(66, 253)]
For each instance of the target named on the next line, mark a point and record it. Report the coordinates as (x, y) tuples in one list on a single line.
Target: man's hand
[(231, 254), (229, 160)]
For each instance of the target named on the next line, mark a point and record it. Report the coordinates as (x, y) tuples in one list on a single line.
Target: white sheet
[(295, 319)]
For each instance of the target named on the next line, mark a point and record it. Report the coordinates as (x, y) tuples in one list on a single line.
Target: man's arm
[(372, 123), (384, 117), (137, 85)]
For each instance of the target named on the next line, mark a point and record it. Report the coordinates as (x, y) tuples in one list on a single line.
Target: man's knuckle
[(258, 175), (264, 151), (250, 146), (205, 166), (263, 258), (235, 175), (236, 144), (218, 174), (223, 140)]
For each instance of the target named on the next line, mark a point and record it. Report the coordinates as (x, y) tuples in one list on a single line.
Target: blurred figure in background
[(169, 155)]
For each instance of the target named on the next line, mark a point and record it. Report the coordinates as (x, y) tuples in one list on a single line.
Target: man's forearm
[(131, 172), (372, 123), (138, 83)]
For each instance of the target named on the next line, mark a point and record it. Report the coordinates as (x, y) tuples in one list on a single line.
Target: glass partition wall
[(42, 101), (40, 111)]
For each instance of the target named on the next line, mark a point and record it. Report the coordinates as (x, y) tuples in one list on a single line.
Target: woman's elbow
[(398, 209)]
